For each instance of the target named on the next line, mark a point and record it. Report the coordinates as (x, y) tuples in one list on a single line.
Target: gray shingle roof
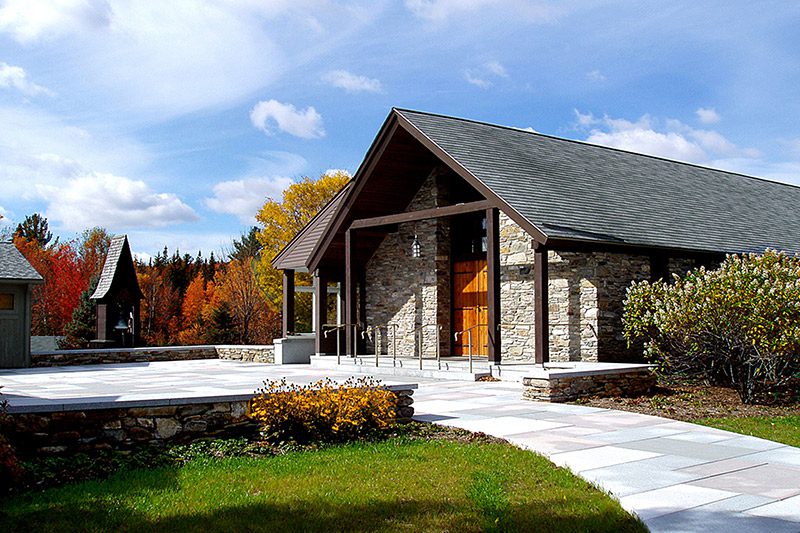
[(578, 191), (118, 245), (295, 255), (14, 266)]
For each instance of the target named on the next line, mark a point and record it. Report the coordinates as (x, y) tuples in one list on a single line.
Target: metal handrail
[(338, 328), (417, 331), (377, 328), (468, 331)]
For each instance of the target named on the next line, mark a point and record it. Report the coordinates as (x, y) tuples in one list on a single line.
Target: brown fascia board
[(393, 121), (307, 227), (373, 154), (537, 234)]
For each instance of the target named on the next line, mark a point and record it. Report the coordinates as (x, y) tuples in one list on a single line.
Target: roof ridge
[(593, 145)]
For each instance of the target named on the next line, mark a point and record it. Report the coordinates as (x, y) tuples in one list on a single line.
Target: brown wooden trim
[(287, 317), (541, 310), (493, 284), (373, 155), (424, 214), (489, 194), (321, 316), (350, 308)]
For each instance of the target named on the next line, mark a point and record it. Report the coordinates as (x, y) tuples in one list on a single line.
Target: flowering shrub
[(322, 411), (738, 325), (10, 471)]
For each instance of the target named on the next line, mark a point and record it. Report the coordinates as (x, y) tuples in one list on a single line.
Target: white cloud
[(113, 202), (306, 123), (442, 10), (672, 139), (37, 148), (352, 83), (596, 76), (484, 75), (14, 77), (708, 115), (30, 20), (245, 197)]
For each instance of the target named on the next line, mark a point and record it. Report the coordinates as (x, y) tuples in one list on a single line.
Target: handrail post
[(438, 343), (375, 332), (420, 347), (469, 339), (394, 344), (338, 346)]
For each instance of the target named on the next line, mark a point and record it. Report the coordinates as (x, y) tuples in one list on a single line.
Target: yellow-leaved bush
[(323, 411)]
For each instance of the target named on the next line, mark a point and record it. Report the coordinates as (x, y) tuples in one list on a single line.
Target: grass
[(386, 486), (785, 429)]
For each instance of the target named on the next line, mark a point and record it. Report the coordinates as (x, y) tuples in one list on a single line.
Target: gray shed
[(17, 278)]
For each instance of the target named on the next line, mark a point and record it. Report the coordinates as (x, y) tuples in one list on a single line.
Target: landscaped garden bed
[(419, 478), (710, 405)]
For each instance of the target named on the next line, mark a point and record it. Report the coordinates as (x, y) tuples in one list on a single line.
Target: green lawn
[(388, 486), (785, 429)]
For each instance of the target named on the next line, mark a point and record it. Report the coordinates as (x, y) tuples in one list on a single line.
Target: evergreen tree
[(35, 228), (81, 329), (222, 329), (248, 247)]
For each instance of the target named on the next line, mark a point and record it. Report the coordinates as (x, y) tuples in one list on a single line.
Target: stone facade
[(586, 291), (258, 354), (571, 388), (407, 292), (122, 428)]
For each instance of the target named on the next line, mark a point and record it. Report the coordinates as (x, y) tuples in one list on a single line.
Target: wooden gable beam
[(424, 214)]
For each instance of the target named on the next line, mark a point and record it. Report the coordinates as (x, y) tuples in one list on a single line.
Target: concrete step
[(451, 370)]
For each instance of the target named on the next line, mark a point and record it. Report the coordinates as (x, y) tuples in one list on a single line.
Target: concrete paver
[(674, 475)]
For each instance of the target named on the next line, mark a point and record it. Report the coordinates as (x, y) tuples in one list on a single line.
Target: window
[(6, 301)]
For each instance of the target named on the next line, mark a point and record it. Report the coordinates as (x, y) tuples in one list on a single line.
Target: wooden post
[(541, 308), (288, 302), (493, 284), (321, 315), (350, 304)]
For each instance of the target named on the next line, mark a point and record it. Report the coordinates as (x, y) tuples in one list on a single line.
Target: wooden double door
[(470, 306)]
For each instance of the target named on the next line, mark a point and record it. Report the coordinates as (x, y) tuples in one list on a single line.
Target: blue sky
[(174, 121)]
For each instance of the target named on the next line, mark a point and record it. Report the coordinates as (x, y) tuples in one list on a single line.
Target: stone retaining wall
[(564, 389), (123, 428), (258, 354)]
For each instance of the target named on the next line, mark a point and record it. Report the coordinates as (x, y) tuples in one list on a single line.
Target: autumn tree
[(93, 247), (196, 310), (240, 292), (55, 299), (281, 221)]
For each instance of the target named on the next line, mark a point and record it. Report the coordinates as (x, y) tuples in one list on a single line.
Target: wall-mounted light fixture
[(416, 248)]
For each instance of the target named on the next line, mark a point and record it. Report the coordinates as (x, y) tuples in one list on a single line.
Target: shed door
[(12, 335), (470, 306)]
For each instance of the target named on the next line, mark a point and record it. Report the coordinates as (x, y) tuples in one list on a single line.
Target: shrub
[(10, 470), (322, 411), (738, 325)]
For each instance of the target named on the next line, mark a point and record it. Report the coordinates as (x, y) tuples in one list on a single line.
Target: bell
[(121, 325)]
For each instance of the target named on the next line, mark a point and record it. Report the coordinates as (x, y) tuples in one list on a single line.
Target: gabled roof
[(575, 191), (118, 264), (296, 253), (14, 266)]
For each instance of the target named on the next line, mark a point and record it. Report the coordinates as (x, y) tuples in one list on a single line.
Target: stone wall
[(259, 354), (586, 293), (251, 353), (123, 428), (516, 292), (409, 292), (571, 388)]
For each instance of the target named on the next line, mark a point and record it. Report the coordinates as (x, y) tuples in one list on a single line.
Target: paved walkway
[(675, 476)]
